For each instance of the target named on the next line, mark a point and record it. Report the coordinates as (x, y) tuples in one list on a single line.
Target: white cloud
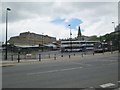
[(39, 26), (35, 17)]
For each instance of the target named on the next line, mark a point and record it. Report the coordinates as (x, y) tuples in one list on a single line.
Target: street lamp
[(113, 40), (70, 37), (8, 9), (42, 42), (103, 46)]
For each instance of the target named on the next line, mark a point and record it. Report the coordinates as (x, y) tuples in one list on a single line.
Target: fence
[(43, 55)]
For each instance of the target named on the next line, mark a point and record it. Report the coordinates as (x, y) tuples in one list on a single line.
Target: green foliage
[(114, 37), (94, 38)]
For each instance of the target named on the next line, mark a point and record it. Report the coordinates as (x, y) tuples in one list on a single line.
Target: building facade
[(28, 38)]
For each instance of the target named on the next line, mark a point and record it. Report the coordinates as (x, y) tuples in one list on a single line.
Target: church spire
[(79, 31), (79, 34)]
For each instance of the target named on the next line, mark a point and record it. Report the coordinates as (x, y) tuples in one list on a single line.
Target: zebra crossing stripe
[(107, 85)]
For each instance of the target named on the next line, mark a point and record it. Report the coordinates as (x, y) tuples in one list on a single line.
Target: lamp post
[(8, 9), (103, 46), (70, 38), (113, 40), (113, 26), (42, 42)]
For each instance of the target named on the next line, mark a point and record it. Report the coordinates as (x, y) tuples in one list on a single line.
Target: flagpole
[(70, 37)]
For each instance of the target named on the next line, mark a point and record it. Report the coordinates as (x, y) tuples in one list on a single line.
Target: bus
[(77, 46)]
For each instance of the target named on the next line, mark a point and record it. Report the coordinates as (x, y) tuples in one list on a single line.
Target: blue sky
[(74, 22)]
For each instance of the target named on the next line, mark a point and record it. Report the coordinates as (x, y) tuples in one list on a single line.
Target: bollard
[(69, 55), (93, 53), (82, 54), (74, 54), (62, 55), (49, 56), (103, 53), (54, 56), (39, 57), (12, 57), (4, 57), (111, 52), (18, 58)]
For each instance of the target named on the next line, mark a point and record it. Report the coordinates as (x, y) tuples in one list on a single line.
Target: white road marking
[(118, 81), (76, 63), (107, 85), (91, 87), (81, 63), (51, 71)]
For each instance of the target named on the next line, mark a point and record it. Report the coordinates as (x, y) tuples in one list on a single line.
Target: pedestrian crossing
[(115, 86), (108, 86)]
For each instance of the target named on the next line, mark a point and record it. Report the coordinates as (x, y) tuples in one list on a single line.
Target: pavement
[(58, 58)]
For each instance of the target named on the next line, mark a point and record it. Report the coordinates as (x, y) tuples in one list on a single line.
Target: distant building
[(28, 38)]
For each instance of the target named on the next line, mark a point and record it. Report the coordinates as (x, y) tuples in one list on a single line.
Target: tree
[(94, 38)]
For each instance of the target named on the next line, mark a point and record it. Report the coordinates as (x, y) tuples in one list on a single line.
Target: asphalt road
[(98, 71)]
